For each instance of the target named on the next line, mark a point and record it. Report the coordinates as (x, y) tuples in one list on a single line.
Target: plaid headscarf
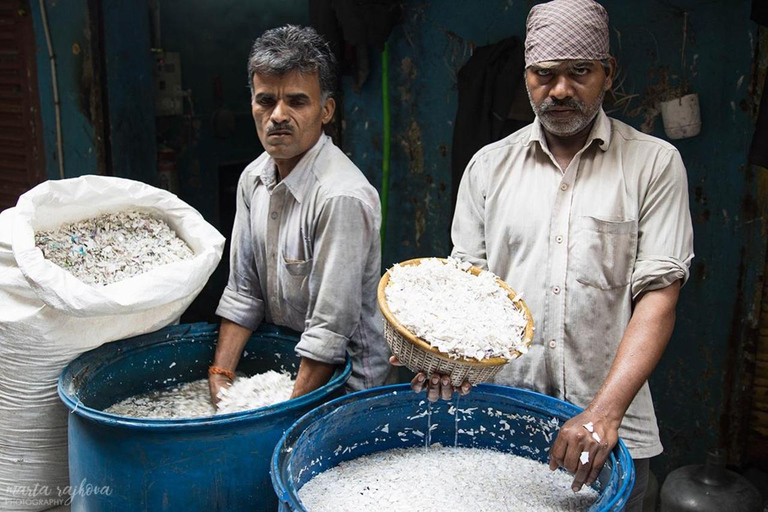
[(566, 29)]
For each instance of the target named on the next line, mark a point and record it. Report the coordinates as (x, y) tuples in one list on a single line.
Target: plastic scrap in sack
[(48, 317)]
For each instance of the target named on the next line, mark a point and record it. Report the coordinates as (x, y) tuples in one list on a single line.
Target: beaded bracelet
[(215, 370)]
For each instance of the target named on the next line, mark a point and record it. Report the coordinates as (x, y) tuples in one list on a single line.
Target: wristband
[(215, 370)]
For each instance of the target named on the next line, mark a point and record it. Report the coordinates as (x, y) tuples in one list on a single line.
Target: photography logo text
[(50, 496)]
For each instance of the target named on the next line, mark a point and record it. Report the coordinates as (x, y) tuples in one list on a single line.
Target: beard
[(582, 116)]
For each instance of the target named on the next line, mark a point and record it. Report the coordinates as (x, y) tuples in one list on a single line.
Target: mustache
[(281, 127), (553, 103)]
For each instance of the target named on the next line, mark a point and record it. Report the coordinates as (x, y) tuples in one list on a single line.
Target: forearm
[(643, 344), (230, 345), (312, 375)]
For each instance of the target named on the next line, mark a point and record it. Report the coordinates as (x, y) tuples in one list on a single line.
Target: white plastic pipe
[(55, 84)]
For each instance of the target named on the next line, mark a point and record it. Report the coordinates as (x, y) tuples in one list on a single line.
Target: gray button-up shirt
[(305, 254), (580, 244)]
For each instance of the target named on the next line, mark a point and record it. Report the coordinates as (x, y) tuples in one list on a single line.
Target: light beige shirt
[(580, 244), (305, 254)]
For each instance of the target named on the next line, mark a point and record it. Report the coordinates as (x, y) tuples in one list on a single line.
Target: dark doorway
[(203, 308)]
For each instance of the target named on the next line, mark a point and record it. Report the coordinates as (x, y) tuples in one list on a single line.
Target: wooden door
[(21, 153)]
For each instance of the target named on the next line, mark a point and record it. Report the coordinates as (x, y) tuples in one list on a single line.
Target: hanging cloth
[(758, 150), (351, 26), (492, 102)]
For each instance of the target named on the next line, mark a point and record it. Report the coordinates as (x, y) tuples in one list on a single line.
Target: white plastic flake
[(112, 247), (257, 391), (193, 399), (478, 480), (459, 314)]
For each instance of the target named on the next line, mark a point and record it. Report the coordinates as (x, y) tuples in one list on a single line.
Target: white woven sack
[(48, 317)]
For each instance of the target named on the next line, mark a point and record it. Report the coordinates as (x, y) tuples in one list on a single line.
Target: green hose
[(386, 141)]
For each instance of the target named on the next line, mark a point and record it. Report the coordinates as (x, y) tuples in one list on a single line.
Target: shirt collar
[(299, 180), (601, 132)]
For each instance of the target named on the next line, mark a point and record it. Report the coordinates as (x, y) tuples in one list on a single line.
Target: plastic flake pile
[(192, 399), (417, 479), (459, 314), (112, 247), (257, 391)]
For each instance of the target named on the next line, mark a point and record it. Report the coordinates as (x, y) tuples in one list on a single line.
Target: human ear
[(328, 109)]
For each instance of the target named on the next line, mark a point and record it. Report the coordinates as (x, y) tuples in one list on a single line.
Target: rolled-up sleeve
[(343, 237), (242, 300), (665, 233), (468, 228)]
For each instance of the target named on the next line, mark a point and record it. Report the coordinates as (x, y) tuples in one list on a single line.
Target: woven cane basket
[(419, 356)]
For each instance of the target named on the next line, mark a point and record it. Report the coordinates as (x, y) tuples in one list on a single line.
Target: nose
[(562, 88), (279, 113)]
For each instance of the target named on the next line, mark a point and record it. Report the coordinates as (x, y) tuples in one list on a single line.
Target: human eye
[(543, 72), (265, 101), (580, 70)]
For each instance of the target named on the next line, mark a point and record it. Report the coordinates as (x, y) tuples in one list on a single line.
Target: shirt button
[(555, 290), (273, 215), (563, 187), (559, 239), (552, 344)]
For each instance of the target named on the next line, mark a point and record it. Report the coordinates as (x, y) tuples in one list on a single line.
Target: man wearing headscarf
[(589, 219)]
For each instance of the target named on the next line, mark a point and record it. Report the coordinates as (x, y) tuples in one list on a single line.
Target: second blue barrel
[(501, 418), (120, 464)]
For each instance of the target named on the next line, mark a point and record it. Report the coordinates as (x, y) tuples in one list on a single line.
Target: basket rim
[(424, 345)]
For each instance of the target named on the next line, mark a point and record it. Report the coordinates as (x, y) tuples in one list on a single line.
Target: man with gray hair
[(589, 219), (305, 242)]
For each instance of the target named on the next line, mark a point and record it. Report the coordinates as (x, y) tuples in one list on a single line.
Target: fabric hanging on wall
[(323, 19), (758, 151), (367, 21), (760, 12), (492, 102), (351, 26)]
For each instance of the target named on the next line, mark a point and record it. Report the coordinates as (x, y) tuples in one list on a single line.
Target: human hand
[(575, 439), (438, 386), (216, 383)]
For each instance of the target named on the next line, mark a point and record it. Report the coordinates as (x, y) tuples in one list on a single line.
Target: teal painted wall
[(129, 104), (68, 23), (129, 63)]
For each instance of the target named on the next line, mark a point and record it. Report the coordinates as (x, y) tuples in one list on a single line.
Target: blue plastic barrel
[(121, 464), (516, 421)]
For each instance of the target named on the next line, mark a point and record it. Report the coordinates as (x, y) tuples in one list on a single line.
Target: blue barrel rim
[(175, 334), (288, 490)]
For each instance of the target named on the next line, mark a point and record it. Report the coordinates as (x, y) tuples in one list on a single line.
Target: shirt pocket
[(604, 252), (294, 282)]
